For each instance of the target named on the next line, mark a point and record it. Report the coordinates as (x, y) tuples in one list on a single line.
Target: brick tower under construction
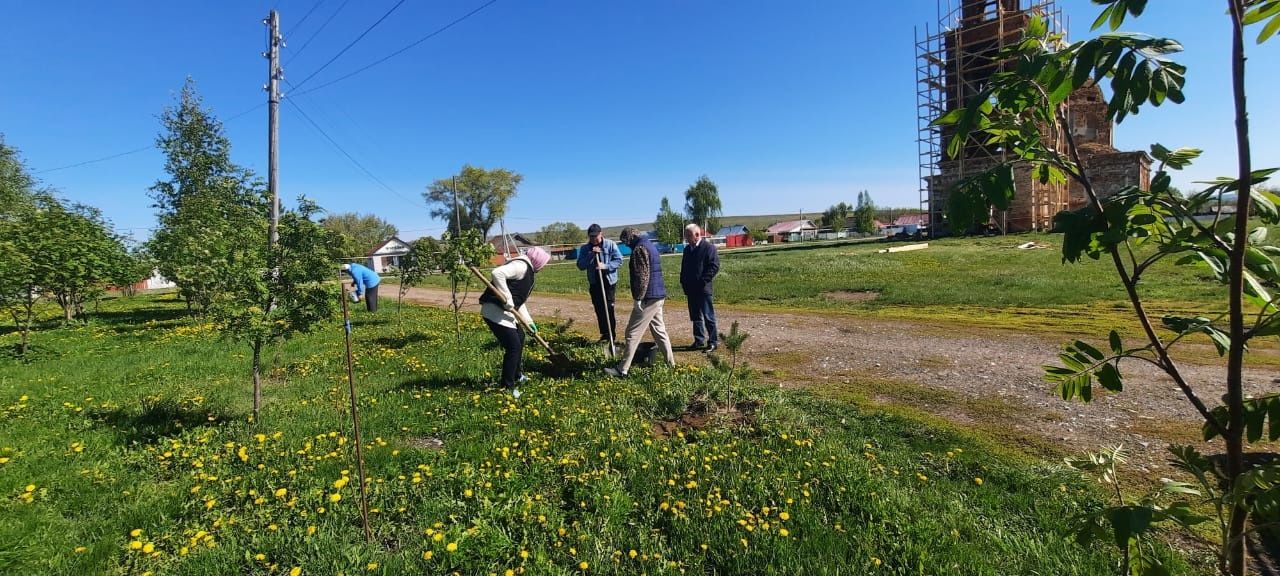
[(956, 58)]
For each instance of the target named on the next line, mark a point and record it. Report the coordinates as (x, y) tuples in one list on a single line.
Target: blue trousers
[(703, 315)]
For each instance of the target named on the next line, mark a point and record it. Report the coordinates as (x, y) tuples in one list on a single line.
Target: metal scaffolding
[(955, 58)]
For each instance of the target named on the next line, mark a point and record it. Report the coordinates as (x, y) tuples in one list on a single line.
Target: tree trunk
[(29, 307), (1235, 356), (1236, 551), (23, 329), (457, 319), (399, 307), (257, 379)]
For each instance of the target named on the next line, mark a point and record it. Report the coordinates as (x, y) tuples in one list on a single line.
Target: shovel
[(608, 319), (559, 362)]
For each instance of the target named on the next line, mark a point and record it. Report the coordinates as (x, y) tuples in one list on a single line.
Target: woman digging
[(513, 282)]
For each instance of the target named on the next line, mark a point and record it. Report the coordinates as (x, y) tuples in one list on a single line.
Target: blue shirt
[(609, 254), (364, 278)]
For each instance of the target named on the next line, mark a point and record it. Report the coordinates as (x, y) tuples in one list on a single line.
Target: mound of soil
[(700, 414)]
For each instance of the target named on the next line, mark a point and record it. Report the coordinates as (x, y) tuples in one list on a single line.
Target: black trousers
[(512, 342), (371, 299), (605, 317), (702, 313)]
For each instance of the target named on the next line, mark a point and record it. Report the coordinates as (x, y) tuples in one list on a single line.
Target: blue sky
[(604, 107)]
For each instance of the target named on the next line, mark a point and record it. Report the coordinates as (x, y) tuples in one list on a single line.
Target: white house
[(387, 254)]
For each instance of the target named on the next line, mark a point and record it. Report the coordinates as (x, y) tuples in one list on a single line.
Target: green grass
[(138, 421)]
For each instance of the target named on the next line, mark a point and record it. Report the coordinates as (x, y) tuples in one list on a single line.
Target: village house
[(735, 236), (386, 256), (792, 231)]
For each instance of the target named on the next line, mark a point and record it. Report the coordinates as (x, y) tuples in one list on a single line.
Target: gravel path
[(983, 376)]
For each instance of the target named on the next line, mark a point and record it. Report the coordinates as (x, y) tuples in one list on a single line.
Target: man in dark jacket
[(649, 293), (697, 271)]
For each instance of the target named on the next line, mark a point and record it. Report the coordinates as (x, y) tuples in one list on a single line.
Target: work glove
[(533, 327)]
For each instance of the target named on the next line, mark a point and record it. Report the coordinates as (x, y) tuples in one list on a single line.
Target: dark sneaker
[(709, 349), (615, 372)]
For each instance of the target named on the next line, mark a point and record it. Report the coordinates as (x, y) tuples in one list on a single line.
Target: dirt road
[(987, 379)]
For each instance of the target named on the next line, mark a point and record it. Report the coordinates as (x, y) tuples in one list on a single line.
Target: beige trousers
[(646, 314)]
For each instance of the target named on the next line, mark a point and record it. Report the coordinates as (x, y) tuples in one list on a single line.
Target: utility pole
[(457, 213), (274, 74)]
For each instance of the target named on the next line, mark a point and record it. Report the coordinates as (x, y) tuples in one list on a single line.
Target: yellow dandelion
[(438, 536), (452, 547), (295, 571), (784, 515), (583, 566), (632, 553), (339, 483), (136, 532), (335, 497), (427, 555), (80, 549), (467, 493), (148, 548), (783, 532), (977, 481), (135, 545), (259, 556), (372, 566), (281, 492)]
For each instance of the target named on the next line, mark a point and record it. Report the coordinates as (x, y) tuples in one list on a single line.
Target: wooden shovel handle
[(516, 314)]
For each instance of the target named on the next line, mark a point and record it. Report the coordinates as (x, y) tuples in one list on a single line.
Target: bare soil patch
[(700, 413), (852, 295), (427, 443)]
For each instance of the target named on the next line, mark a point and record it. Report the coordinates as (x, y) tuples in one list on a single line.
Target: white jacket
[(512, 270)]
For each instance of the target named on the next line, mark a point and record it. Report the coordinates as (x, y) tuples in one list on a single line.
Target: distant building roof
[(392, 246), (733, 230), (912, 220), (791, 226), (515, 240)]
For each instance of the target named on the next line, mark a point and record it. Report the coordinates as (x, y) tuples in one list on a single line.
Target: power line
[(135, 150), (339, 147), (308, 14), (317, 32), (353, 42), (96, 160), (402, 50)]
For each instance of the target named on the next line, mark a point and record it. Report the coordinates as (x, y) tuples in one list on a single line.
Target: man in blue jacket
[(698, 269), (366, 283), (601, 258)]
